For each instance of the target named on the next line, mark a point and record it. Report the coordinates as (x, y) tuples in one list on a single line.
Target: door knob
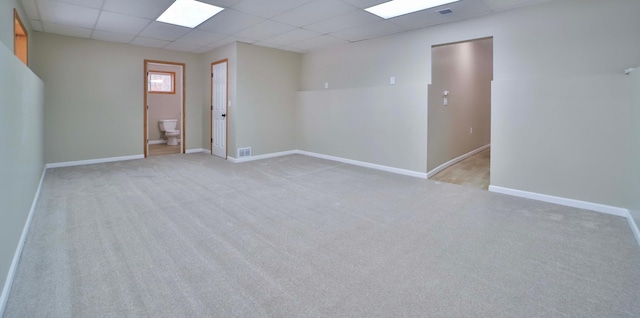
[(224, 115)]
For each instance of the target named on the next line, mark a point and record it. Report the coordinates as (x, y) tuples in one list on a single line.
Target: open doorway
[(459, 113), (164, 107)]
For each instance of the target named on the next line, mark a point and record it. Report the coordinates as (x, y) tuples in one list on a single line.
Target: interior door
[(219, 109)]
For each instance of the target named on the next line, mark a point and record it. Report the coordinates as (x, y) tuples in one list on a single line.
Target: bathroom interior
[(164, 98)]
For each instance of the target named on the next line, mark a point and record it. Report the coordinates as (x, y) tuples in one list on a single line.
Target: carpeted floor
[(295, 236)]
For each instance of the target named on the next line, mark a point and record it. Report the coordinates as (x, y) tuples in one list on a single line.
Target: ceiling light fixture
[(188, 13), (396, 8)]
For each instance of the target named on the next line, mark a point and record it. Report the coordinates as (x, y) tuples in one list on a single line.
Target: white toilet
[(170, 131)]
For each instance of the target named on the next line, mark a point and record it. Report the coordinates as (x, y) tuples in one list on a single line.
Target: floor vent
[(244, 152)]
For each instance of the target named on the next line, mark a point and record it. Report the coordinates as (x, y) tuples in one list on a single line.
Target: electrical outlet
[(326, 84), (470, 130)]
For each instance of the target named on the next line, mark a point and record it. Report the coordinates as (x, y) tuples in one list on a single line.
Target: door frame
[(226, 107), (145, 106)]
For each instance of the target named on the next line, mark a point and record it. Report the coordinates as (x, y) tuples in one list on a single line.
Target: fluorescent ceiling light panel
[(396, 8), (188, 13)]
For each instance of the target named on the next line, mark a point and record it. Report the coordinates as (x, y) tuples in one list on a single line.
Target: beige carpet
[(196, 236)]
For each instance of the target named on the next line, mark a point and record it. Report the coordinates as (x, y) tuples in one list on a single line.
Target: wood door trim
[(183, 147), (226, 109), (16, 18)]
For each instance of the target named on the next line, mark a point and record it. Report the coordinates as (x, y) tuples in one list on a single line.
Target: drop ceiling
[(292, 25)]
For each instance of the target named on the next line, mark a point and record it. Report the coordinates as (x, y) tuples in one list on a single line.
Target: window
[(20, 39), (162, 82)]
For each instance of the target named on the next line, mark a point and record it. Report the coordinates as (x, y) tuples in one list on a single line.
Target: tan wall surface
[(268, 80), (95, 92)]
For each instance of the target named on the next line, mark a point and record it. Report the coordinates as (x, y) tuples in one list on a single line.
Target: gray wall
[(21, 125), (364, 124), (565, 137), (465, 70), (268, 80), (94, 96), (634, 160), (21, 158), (554, 41)]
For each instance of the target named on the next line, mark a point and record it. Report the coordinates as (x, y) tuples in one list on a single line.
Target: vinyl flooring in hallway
[(163, 149), (471, 172)]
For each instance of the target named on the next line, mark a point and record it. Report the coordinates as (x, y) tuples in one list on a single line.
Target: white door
[(219, 109)]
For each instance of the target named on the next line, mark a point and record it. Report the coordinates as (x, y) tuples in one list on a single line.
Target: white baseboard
[(606, 209), (16, 257), (91, 161), (332, 158), (199, 150), (456, 160), (260, 157), (157, 142), (365, 164), (634, 227), (562, 201)]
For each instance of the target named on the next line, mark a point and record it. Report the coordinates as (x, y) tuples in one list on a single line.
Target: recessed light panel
[(188, 13), (396, 8)]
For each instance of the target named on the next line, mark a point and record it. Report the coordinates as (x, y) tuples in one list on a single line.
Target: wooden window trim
[(173, 82), (16, 18)]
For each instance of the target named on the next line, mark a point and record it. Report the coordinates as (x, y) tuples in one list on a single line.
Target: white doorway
[(219, 103)]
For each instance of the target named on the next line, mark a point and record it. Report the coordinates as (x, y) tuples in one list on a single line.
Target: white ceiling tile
[(296, 35), (297, 25), (31, 9), (265, 30), (343, 22), (223, 42), (221, 3), (67, 14), (36, 25), (148, 9), (499, 5), (112, 37), (229, 22), (96, 4), (228, 40), (461, 10), (268, 9), (182, 47), (149, 42), (368, 31), (118, 23), (200, 38), (269, 44), (164, 31), (318, 43), (314, 12), (204, 49), (65, 30), (363, 4), (292, 49)]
